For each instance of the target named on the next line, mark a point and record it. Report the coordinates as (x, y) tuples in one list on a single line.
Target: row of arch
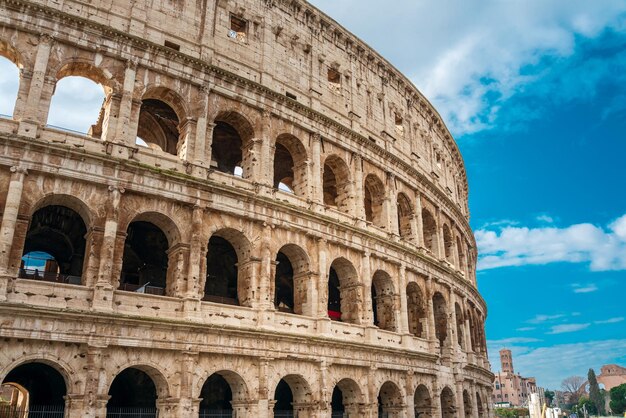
[(166, 122), (42, 385), (55, 243)]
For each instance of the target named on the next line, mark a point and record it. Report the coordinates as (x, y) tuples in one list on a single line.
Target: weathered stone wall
[(373, 124)]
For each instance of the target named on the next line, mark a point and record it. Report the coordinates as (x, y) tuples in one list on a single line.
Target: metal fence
[(121, 412), (34, 274), (284, 414), (210, 413), (36, 411)]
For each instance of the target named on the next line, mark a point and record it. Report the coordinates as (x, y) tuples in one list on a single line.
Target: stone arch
[(44, 383), (231, 144), (336, 181), (344, 292), (374, 192), (291, 279), (467, 404), (137, 386), (416, 310), (429, 228), (390, 399), (460, 325), (448, 244), (55, 244), (220, 390), (448, 406), (422, 402), (290, 164), (227, 277), (291, 390), (440, 313), (346, 397), (479, 405), (383, 301), (85, 69), (161, 118), (13, 56), (61, 199), (63, 368), (405, 216), (8, 51)]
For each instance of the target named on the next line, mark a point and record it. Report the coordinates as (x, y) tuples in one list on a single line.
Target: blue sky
[(534, 92)]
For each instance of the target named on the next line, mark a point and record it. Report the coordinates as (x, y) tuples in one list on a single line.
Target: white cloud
[(602, 249), (540, 318), (577, 288), (610, 321), (513, 340), (545, 218), (565, 328), (469, 56), (525, 329), (9, 77)]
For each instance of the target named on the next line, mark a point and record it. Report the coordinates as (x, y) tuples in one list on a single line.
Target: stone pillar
[(208, 144), (441, 247), (322, 282), (93, 403), (266, 175), (474, 401), (366, 274), (403, 312), (409, 387), (430, 312), (34, 114), (266, 396), (306, 293), (460, 403), (392, 205), (452, 330), (9, 223), (419, 222), (455, 251), (200, 156), (316, 184), (26, 77), (358, 206), (197, 253), (122, 132), (187, 405), (185, 149), (265, 279), (468, 330)]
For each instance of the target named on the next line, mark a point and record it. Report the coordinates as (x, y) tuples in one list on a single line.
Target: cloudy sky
[(534, 92)]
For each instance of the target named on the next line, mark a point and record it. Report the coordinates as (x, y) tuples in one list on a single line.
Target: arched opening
[(416, 310), (480, 406), (290, 391), (336, 183), (222, 272), (145, 262), (290, 165), (374, 191), (77, 103), (448, 244), (346, 399), (159, 126), (448, 408), (344, 292), (472, 325), (405, 214), (9, 85), (54, 249), (283, 284), (441, 318), (467, 404), (389, 400), (422, 402), (216, 398), (42, 390), (460, 324), (429, 228), (133, 393), (383, 301), (232, 136)]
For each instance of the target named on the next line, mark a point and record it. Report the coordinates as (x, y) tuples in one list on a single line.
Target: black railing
[(35, 411), (210, 413), (46, 276), (124, 412), (151, 290), (284, 414), (220, 299)]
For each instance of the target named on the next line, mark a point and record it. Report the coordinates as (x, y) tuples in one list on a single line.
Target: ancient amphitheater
[(267, 219)]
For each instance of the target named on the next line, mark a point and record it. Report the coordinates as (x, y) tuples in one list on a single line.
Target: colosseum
[(266, 219)]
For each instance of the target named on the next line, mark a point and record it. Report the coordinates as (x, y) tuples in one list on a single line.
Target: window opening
[(334, 80), (77, 106), (222, 271), (238, 29), (9, 86)]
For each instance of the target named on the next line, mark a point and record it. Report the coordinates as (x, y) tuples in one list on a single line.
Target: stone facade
[(294, 231), (612, 375), (512, 388)]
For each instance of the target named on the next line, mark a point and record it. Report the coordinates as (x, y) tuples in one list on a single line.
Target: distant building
[(510, 389), (612, 375)]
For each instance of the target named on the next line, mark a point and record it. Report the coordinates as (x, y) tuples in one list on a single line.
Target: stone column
[(322, 283), (9, 222), (409, 387), (474, 401), (265, 279), (187, 405), (358, 206), (93, 403), (185, 149), (200, 155), (455, 251), (208, 144), (392, 205), (266, 147), (430, 312), (468, 330), (441, 247), (316, 184), (403, 312), (419, 223), (436, 398), (452, 330), (266, 402), (123, 132), (26, 77), (34, 114), (460, 403), (197, 252), (366, 277)]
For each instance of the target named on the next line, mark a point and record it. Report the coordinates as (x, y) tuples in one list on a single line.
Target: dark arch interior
[(330, 186), (226, 148), (334, 296), (283, 167), (221, 280), (368, 203), (448, 408), (283, 297), (422, 402), (216, 395), (59, 232), (337, 400), (283, 397), (45, 385), (145, 258), (430, 231), (375, 306), (158, 126), (132, 388), (441, 318)]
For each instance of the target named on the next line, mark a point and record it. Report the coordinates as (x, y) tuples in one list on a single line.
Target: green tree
[(594, 393), (618, 399), (588, 405), (549, 395), (505, 413)]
